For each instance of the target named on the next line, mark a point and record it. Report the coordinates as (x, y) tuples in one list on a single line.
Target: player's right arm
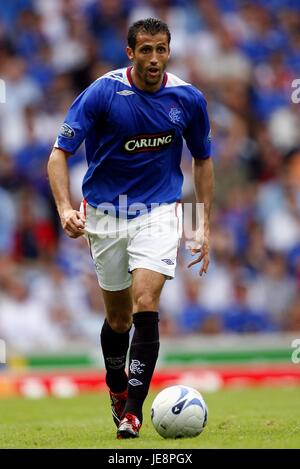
[(72, 221), (80, 118)]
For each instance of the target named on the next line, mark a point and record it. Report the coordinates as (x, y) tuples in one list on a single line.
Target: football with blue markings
[(179, 412)]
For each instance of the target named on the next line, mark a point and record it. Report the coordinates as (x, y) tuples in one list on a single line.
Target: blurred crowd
[(244, 56)]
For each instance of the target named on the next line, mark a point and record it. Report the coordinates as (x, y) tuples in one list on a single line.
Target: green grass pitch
[(239, 418)]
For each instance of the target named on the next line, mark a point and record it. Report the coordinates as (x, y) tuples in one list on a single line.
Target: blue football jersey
[(134, 138)]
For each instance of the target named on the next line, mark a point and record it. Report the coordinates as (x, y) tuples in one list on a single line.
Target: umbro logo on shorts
[(168, 261), (149, 142)]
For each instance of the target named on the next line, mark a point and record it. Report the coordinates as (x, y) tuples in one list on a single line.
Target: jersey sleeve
[(198, 135), (81, 116)]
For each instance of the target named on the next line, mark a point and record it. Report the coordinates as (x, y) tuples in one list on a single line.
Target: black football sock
[(142, 359), (114, 349)]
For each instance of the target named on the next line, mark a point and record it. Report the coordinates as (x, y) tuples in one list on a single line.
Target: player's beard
[(152, 80)]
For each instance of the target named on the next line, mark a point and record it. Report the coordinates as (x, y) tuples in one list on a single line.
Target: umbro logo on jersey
[(149, 142), (125, 92)]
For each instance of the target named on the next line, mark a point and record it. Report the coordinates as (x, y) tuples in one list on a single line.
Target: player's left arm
[(203, 176)]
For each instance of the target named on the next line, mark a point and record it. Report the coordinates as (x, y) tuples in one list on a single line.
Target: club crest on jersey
[(175, 115), (67, 131), (148, 142)]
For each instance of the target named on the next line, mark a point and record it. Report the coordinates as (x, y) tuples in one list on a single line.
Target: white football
[(179, 412)]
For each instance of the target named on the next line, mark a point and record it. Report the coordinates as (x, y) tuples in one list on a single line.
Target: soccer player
[(133, 121)]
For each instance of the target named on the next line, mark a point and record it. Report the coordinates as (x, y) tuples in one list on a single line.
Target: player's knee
[(120, 324), (146, 301)]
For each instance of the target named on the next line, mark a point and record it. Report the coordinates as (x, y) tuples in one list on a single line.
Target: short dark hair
[(149, 25)]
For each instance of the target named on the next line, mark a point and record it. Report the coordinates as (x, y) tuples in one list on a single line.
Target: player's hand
[(202, 249), (73, 223)]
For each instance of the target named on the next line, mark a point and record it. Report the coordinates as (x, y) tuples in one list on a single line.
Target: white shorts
[(118, 246)]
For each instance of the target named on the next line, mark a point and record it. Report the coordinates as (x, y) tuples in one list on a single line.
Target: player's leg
[(152, 259), (112, 268), (115, 337), (109, 253), (146, 289), (114, 344)]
